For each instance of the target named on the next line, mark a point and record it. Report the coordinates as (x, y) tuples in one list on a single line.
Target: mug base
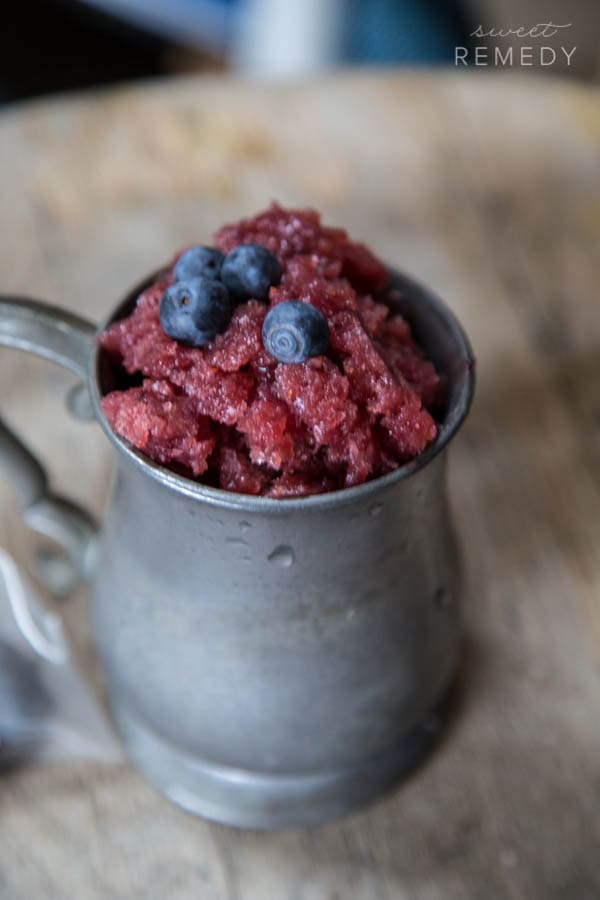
[(246, 799)]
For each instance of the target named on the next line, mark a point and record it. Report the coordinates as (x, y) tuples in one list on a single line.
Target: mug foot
[(246, 799)]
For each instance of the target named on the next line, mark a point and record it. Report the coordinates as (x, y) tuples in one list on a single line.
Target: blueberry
[(195, 311), (249, 271), (199, 261), (295, 331)]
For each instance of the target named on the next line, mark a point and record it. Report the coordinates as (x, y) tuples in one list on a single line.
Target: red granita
[(163, 424), (231, 415)]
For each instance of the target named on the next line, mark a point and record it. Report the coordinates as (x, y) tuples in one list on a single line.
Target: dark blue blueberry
[(199, 261), (195, 311), (295, 331), (249, 271)]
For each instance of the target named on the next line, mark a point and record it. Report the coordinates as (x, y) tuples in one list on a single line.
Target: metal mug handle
[(68, 340)]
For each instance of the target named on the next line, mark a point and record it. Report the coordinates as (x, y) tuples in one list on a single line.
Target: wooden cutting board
[(487, 187)]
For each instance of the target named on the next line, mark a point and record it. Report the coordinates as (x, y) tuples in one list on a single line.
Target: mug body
[(244, 648), (276, 663)]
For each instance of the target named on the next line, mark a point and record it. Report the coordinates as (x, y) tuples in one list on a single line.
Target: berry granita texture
[(231, 416)]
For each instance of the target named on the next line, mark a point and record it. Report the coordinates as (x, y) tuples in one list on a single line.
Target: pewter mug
[(269, 663)]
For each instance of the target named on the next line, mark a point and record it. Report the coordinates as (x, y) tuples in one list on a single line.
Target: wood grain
[(488, 188)]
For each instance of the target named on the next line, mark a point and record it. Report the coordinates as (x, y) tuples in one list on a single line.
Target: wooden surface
[(487, 188)]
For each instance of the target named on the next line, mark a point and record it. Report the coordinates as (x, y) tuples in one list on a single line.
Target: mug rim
[(218, 497)]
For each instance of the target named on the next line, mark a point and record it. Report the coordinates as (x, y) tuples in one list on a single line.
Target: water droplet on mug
[(245, 527), (282, 556), (375, 510), (236, 542)]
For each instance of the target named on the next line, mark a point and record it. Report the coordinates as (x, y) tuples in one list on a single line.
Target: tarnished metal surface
[(275, 663)]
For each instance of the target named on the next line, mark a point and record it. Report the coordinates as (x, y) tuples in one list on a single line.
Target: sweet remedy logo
[(521, 54)]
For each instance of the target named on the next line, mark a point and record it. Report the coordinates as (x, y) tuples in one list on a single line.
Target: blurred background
[(61, 45)]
